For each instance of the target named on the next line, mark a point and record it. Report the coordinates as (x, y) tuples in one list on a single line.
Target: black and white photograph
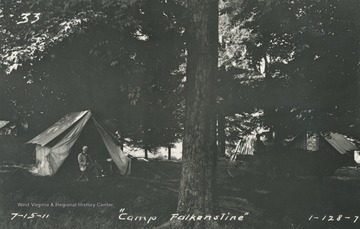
[(179, 114)]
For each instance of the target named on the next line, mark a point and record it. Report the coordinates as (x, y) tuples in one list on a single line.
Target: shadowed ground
[(272, 197)]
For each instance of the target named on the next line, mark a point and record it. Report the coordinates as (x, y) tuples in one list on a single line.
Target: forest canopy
[(296, 62)]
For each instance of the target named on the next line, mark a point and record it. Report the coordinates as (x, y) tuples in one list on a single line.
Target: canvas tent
[(54, 145), (315, 141), (330, 150)]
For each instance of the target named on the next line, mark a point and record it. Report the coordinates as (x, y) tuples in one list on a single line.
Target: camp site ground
[(277, 191), (312, 182)]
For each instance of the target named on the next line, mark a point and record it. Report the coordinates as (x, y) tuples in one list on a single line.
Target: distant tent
[(3, 123), (14, 127), (246, 146), (331, 150), (317, 141), (55, 144), (10, 144), (8, 128)]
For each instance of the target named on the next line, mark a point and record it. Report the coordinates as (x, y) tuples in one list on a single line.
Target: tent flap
[(120, 159)]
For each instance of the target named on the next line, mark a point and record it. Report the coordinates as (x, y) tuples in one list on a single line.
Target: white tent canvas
[(54, 145)]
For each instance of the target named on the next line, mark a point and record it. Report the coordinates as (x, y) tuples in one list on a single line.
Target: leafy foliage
[(118, 58), (308, 53)]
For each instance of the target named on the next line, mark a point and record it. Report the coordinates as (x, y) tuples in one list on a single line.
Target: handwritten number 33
[(25, 18)]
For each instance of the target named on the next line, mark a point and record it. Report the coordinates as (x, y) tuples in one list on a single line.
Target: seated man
[(82, 160), (86, 163)]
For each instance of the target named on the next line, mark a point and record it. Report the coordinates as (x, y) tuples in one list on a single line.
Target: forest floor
[(266, 199)]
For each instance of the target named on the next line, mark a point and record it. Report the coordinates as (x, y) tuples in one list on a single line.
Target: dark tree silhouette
[(197, 187)]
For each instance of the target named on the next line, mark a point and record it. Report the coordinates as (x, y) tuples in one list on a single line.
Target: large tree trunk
[(197, 187), (221, 137)]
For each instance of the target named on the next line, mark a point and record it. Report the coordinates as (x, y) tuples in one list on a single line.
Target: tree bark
[(146, 153), (169, 152), (221, 138), (197, 186)]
